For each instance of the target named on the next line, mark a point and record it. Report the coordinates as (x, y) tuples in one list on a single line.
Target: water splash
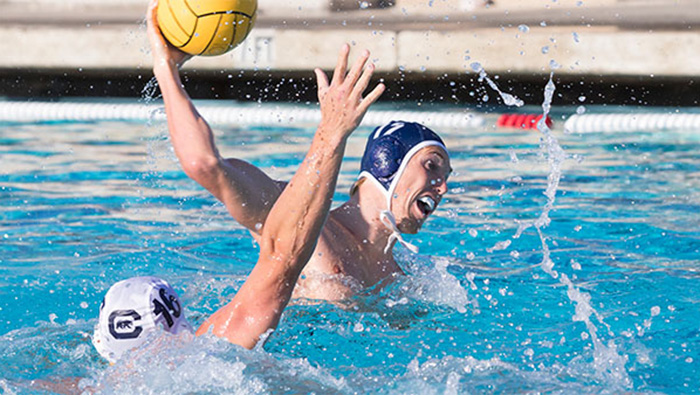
[(434, 284), (508, 99), (455, 375), (149, 93), (609, 365), (576, 37)]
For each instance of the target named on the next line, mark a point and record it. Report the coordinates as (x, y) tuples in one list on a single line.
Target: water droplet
[(524, 28), (513, 156), (575, 265), (545, 49), (576, 39), (84, 305), (580, 110)]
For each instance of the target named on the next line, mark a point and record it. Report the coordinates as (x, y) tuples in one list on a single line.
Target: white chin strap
[(390, 222)]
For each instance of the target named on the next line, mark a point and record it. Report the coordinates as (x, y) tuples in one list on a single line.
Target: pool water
[(88, 204)]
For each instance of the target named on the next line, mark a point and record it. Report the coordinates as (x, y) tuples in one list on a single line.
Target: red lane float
[(521, 121)]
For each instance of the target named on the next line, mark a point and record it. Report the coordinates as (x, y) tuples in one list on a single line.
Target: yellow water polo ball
[(206, 27)]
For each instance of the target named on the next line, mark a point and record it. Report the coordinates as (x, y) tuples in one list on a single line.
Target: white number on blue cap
[(388, 129)]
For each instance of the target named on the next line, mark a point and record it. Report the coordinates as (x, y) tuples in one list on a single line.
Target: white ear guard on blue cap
[(389, 149)]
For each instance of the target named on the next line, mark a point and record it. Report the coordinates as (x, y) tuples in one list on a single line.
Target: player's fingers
[(152, 9), (362, 83), (356, 69), (341, 65), (152, 20), (321, 81), (371, 98)]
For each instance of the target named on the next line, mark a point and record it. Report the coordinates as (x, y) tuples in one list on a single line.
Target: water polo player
[(137, 307), (410, 164)]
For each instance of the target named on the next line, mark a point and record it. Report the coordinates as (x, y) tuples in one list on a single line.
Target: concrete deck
[(614, 40)]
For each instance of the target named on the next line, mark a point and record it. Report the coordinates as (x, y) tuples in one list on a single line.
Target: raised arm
[(246, 191), (295, 221)]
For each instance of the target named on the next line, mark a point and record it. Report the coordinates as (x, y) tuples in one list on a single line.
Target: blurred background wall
[(615, 51)]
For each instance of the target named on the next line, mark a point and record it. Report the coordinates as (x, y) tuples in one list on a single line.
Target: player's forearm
[(288, 239), (190, 134), (296, 220)]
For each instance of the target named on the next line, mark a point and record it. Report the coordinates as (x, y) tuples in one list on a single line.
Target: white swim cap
[(131, 310)]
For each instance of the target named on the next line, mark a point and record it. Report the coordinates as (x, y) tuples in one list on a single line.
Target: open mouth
[(426, 204)]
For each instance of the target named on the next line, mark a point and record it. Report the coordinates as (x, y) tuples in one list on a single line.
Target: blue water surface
[(88, 204)]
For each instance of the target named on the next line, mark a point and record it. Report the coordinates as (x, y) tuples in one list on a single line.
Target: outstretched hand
[(163, 52), (342, 104)]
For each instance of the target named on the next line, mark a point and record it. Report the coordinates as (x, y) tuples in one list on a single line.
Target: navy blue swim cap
[(391, 146)]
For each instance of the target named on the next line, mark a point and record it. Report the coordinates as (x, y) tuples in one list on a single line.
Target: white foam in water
[(455, 375), (171, 364), (437, 286), (5, 387)]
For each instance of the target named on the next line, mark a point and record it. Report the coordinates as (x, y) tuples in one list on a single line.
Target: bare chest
[(339, 252)]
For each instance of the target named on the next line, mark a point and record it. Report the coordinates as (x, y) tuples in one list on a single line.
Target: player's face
[(420, 188)]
